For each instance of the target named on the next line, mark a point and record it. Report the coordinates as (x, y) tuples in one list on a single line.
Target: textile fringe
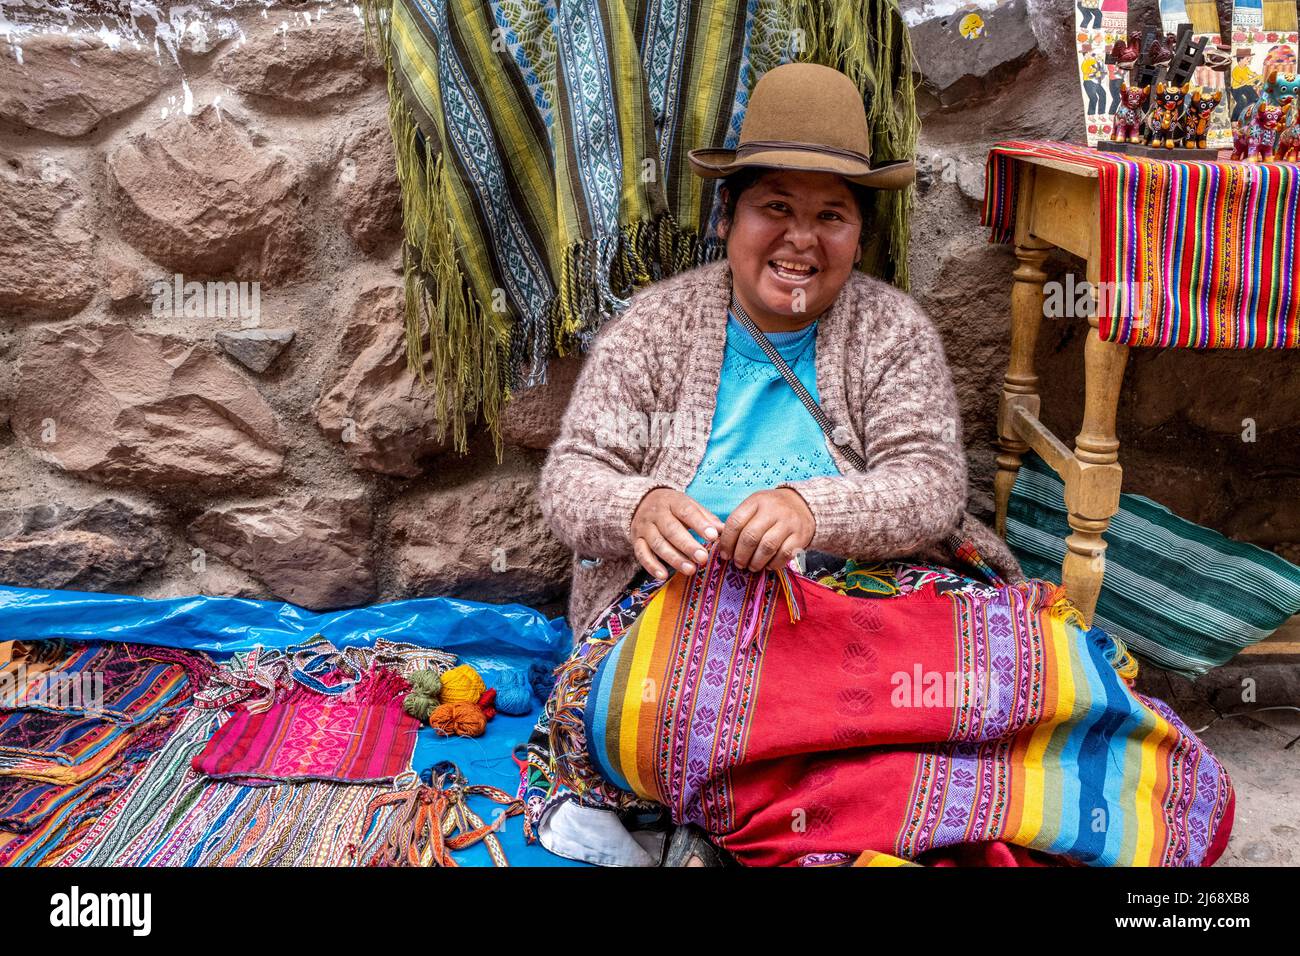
[(1114, 650), (198, 667), (867, 41), (567, 734), (453, 343), (597, 274), (462, 348)]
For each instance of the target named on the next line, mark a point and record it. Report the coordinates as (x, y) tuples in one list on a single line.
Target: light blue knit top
[(761, 433)]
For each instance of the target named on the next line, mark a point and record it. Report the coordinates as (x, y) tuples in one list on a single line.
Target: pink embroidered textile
[(359, 736)]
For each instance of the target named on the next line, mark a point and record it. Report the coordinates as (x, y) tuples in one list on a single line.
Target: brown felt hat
[(810, 117)]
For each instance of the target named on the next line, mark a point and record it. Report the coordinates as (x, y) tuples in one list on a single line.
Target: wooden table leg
[(1020, 385), (1092, 497)]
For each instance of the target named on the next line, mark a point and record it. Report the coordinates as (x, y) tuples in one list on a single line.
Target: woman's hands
[(661, 529), (765, 531)]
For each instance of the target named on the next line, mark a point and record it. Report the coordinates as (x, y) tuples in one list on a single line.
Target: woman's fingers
[(666, 548), (700, 520), (767, 529), (662, 530), (688, 515), (785, 552), (647, 559), (736, 522), (768, 552), (757, 541), (760, 533)]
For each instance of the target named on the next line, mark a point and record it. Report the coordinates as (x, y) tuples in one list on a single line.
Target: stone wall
[(264, 438)]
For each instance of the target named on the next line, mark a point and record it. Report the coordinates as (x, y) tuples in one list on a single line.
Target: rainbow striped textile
[(936, 720), (1193, 254)]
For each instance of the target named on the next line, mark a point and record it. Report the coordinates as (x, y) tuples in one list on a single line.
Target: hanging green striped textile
[(1179, 595), (541, 149)]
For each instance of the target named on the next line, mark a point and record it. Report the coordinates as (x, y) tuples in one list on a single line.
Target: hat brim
[(716, 163)]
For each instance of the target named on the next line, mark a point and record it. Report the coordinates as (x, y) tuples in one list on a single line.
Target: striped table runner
[(1193, 255)]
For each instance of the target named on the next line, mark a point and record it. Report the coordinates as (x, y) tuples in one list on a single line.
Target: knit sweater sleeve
[(914, 491), (592, 481)]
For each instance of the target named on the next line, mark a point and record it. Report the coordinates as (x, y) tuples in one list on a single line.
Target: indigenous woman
[(794, 643)]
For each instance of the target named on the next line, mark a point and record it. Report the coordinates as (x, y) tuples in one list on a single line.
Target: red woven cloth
[(797, 724)]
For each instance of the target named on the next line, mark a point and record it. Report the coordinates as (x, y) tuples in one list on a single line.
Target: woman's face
[(791, 246)]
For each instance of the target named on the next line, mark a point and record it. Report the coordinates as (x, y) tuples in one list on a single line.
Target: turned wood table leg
[(1092, 493), (1020, 384)]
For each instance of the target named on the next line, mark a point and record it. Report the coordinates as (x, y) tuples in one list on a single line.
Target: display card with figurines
[(1189, 92)]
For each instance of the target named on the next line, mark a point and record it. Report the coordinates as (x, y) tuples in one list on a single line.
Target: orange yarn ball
[(460, 719)]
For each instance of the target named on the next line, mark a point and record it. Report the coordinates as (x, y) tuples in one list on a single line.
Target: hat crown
[(807, 103)]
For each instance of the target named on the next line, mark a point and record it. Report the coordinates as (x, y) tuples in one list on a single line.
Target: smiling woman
[(793, 237), (689, 693), (763, 480)]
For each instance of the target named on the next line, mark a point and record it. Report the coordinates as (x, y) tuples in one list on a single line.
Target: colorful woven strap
[(432, 821)]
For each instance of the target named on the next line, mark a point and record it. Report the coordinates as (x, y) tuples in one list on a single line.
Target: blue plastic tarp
[(491, 637), (484, 635)]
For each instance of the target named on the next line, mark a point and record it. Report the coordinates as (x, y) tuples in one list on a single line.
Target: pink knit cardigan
[(642, 407)]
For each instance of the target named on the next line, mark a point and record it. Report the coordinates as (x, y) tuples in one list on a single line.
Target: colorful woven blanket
[(798, 724), (41, 821), (78, 713), (172, 816), (53, 749), (58, 767), (1193, 255), (122, 683), (541, 150), (362, 736)]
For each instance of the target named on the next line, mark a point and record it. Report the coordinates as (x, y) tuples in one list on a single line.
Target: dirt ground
[(1253, 747)]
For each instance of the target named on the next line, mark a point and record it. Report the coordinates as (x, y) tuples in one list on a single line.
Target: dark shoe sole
[(689, 842)]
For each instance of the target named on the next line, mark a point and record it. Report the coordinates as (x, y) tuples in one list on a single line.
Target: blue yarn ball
[(514, 693), (542, 677)]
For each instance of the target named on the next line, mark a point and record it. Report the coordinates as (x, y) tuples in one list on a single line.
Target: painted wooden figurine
[(1164, 125), (1279, 88), (1199, 112), (1258, 141), (1288, 144), (1127, 123), (1283, 89)]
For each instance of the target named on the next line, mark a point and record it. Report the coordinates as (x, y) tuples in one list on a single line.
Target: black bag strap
[(961, 546), (787, 373)]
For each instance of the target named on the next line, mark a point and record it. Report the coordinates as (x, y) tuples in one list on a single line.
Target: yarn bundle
[(459, 702), (456, 702), (514, 693), (541, 678)]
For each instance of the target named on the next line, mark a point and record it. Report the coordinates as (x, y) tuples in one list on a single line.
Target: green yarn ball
[(423, 698), (428, 683), (419, 706)]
